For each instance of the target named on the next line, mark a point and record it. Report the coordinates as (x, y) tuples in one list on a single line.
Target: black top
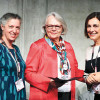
[(91, 63)]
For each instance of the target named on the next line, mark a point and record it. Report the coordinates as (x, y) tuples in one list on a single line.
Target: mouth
[(53, 33), (92, 33), (13, 35)]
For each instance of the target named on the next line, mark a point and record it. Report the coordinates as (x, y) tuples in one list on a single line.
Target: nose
[(92, 29), (14, 30), (53, 28)]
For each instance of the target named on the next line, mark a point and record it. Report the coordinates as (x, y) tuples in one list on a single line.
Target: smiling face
[(11, 29), (93, 29), (53, 28)]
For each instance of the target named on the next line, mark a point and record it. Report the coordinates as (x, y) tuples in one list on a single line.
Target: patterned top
[(89, 60), (8, 74)]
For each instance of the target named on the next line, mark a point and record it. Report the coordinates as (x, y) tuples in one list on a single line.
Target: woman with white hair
[(52, 57)]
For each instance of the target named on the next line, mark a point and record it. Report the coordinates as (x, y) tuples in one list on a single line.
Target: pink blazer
[(41, 63)]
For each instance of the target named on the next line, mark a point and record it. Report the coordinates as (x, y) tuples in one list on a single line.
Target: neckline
[(11, 49), (95, 46)]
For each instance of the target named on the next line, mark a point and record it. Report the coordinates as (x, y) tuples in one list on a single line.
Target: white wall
[(33, 13)]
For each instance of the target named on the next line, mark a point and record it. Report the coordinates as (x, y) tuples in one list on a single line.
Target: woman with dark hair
[(12, 66), (92, 31)]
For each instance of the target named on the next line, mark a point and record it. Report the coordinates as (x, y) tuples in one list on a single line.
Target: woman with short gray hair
[(12, 65), (59, 18)]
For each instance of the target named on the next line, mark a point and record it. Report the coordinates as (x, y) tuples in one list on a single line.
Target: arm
[(78, 72), (32, 73)]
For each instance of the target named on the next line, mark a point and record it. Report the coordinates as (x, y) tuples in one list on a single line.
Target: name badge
[(19, 85), (96, 87)]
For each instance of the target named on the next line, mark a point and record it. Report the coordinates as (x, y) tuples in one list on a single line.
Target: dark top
[(93, 62), (8, 74)]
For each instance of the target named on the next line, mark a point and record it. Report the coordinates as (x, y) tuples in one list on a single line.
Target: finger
[(90, 80)]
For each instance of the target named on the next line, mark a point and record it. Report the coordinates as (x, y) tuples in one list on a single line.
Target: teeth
[(93, 33), (12, 34)]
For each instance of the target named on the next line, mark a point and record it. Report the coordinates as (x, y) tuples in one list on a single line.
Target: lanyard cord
[(95, 59), (14, 58)]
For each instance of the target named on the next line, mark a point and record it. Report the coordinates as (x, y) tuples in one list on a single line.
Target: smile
[(92, 33), (13, 35), (53, 33)]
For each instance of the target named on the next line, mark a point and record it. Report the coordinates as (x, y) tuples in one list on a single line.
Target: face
[(11, 29), (53, 28), (93, 29)]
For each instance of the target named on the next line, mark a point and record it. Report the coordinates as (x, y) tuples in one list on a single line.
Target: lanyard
[(14, 58), (95, 59)]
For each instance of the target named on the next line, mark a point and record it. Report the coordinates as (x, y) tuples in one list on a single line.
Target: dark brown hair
[(90, 16)]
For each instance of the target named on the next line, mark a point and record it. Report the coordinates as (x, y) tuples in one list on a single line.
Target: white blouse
[(67, 86), (89, 52)]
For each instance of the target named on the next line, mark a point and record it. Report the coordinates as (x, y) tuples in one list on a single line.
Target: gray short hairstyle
[(59, 18), (9, 16), (4, 19)]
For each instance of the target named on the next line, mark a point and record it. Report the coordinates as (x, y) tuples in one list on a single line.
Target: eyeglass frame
[(59, 26)]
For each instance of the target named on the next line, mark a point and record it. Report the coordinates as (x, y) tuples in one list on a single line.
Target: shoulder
[(88, 53), (68, 45), (3, 51), (16, 47), (39, 43), (2, 47), (89, 49), (0, 41), (36, 48)]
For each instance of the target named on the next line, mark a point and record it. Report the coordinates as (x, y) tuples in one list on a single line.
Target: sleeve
[(78, 72), (1, 53), (86, 69), (32, 75), (87, 54)]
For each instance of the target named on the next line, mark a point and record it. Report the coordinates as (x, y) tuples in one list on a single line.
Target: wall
[(33, 13)]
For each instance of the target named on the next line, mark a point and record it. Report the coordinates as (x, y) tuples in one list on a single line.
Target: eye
[(57, 26), (88, 26), (18, 27), (49, 26), (11, 26), (95, 25)]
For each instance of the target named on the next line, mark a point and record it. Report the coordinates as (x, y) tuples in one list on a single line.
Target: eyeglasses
[(51, 26)]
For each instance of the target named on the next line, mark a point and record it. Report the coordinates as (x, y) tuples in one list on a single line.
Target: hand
[(52, 84), (56, 82), (97, 76), (93, 78), (90, 79)]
